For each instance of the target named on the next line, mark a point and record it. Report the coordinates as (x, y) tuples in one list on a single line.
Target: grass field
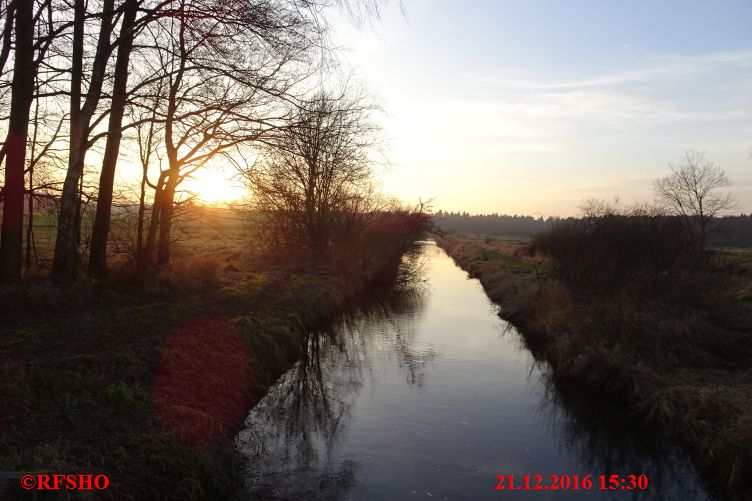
[(149, 384), (203, 231)]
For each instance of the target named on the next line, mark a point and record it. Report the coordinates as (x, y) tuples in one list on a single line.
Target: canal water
[(428, 394)]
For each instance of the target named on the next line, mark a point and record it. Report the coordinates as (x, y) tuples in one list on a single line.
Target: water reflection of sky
[(427, 393)]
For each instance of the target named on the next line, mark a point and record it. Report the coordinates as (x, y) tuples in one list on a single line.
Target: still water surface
[(428, 394)]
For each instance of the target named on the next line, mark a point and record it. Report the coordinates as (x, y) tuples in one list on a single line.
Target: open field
[(202, 231)]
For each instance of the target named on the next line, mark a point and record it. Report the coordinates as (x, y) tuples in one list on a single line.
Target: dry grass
[(683, 368), (191, 273)]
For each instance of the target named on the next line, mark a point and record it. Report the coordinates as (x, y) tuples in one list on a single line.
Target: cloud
[(608, 133), (683, 92), (654, 67)]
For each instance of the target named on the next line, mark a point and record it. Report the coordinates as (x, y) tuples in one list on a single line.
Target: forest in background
[(731, 231)]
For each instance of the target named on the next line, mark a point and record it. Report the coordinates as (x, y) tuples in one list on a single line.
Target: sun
[(215, 186)]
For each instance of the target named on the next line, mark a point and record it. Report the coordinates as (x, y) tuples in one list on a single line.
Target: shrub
[(612, 248)]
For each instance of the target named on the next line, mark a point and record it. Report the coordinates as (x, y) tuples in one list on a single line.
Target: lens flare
[(203, 384)]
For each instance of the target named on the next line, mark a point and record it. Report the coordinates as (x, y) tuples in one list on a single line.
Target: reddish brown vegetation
[(203, 384)]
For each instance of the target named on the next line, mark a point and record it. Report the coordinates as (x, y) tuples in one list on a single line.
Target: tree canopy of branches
[(313, 171), (204, 78), (222, 73), (693, 191)]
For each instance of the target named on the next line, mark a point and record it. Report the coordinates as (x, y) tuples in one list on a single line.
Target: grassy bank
[(682, 363), (149, 385)]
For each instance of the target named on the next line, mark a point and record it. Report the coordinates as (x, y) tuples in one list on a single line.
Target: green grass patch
[(510, 261), (132, 388)]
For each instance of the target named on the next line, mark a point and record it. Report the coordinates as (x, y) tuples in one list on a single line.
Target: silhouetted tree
[(15, 142), (692, 192), (66, 260), (98, 253), (310, 171), (89, 60), (35, 30), (224, 67)]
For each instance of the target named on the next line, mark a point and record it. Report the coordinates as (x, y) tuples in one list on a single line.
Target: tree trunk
[(11, 235), (140, 223), (165, 218), (98, 254), (147, 255), (66, 260), (32, 163), (30, 222)]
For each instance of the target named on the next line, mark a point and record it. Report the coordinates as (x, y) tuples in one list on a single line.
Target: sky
[(529, 107)]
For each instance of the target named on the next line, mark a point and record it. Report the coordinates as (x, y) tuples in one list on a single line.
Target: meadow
[(147, 382)]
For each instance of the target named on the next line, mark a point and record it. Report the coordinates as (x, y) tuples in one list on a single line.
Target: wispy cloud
[(712, 91), (653, 67)]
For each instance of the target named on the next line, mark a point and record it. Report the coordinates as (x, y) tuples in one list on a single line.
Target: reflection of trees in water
[(412, 272), (414, 363), (405, 296), (607, 440), (396, 311), (292, 433)]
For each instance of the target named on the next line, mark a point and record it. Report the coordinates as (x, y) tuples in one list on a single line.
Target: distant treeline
[(733, 230), (729, 230), (492, 224)]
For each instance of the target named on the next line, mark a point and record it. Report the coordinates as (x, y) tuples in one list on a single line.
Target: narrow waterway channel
[(429, 394)]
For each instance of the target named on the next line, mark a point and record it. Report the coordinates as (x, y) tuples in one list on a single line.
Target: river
[(427, 393)]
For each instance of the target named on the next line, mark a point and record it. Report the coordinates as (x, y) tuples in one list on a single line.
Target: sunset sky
[(531, 106)]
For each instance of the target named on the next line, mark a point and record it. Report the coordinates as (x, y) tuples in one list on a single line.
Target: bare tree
[(35, 30), (311, 171), (98, 252), (225, 71), (15, 143), (148, 138), (221, 69), (692, 191), (7, 9), (66, 260), (44, 155)]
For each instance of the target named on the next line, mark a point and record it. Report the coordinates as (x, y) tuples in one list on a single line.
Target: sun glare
[(215, 187)]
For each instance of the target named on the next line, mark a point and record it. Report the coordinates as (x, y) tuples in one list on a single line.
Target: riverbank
[(150, 385), (685, 372)]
